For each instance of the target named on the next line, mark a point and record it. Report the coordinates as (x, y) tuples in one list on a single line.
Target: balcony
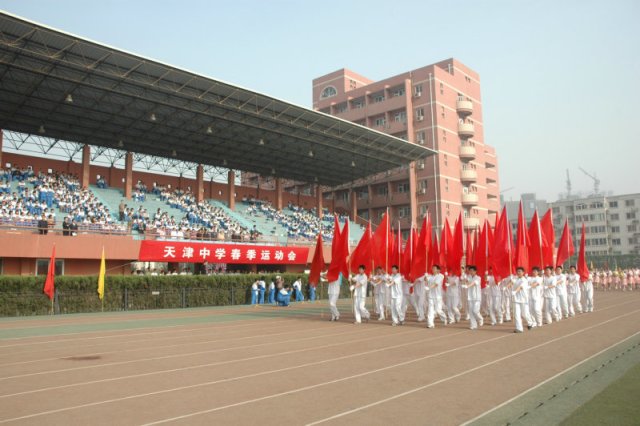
[(470, 199), (467, 152), (464, 107), (468, 175), (471, 222), (466, 130)]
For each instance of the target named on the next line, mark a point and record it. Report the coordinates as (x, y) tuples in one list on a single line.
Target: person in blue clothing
[(297, 287), (254, 293), (284, 296), (262, 287), (312, 292), (272, 293)]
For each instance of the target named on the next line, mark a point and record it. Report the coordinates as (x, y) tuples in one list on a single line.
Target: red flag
[(446, 246), (434, 253), (407, 255), (583, 269), (483, 252), (419, 261), (457, 248), (502, 253), (522, 243), (380, 244), (468, 255), (546, 224), (49, 284), (362, 253), (317, 264), (565, 248), (538, 242), (338, 256), (396, 250)]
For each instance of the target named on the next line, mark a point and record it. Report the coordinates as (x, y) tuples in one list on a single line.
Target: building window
[(404, 211), (629, 203), (380, 121), (42, 267), (403, 187), (613, 204), (441, 89), (422, 184), (631, 215), (328, 92), (616, 241), (364, 214), (442, 112), (357, 103), (352, 84), (398, 91), (378, 97), (382, 190), (400, 116), (419, 114), (420, 138), (615, 216), (632, 228), (423, 209), (417, 90), (340, 108), (615, 229)]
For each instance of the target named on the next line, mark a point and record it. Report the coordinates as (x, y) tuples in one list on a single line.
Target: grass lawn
[(616, 405)]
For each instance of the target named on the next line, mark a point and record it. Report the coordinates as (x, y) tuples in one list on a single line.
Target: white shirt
[(297, 285), (419, 288), (561, 284), (537, 290), (474, 292), (378, 283), (361, 285), (494, 287), (254, 287), (434, 283), (452, 284), (520, 289), (396, 286), (272, 286), (333, 287), (549, 285), (262, 284), (573, 281)]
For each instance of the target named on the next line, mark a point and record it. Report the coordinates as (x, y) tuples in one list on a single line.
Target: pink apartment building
[(439, 106)]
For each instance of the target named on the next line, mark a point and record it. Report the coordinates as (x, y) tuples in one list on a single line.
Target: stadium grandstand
[(114, 148)]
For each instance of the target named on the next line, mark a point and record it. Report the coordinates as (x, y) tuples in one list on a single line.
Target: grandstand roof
[(69, 88)]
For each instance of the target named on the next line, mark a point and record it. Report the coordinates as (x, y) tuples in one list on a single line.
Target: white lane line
[(232, 379), (193, 367), (446, 379), (133, 361), (566, 370)]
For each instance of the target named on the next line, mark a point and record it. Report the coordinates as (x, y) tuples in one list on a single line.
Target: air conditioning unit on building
[(422, 191), (420, 118), (421, 166)]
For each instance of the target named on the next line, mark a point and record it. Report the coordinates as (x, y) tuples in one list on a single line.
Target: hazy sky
[(560, 79)]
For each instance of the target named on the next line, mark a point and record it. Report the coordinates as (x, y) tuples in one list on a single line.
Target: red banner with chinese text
[(194, 252)]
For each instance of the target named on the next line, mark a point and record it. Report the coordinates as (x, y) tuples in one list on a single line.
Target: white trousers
[(520, 310), (333, 300), (495, 309), (453, 301), (587, 296), (506, 306), (359, 309), (420, 304), (396, 310), (380, 304), (574, 304), (435, 307), (535, 309), (473, 308), (562, 306), (550, 309)]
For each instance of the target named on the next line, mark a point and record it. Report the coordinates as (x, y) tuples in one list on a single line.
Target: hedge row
[(20, 296)]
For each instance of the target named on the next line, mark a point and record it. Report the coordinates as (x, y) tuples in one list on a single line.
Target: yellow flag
[(101, 277)]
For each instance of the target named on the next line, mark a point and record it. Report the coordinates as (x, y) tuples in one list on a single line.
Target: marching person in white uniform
[(434, 297), (587, 294), (359, 288), (550, 296), (394, 285), (379, 292), (495, 301), (561, 292), (333, 290), (474, 297), (573, 292), (536, 299), (420, 296), (520, 286), (505, 284), (453, 298)]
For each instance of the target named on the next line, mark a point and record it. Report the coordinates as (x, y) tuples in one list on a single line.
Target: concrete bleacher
[(264, 225), (111, 198)]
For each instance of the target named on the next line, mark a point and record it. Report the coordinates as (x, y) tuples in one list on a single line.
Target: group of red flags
[(491, 249)]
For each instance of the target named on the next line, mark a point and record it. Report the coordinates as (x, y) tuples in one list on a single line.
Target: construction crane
[(508, 189), (596, 181), (568, 185)]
